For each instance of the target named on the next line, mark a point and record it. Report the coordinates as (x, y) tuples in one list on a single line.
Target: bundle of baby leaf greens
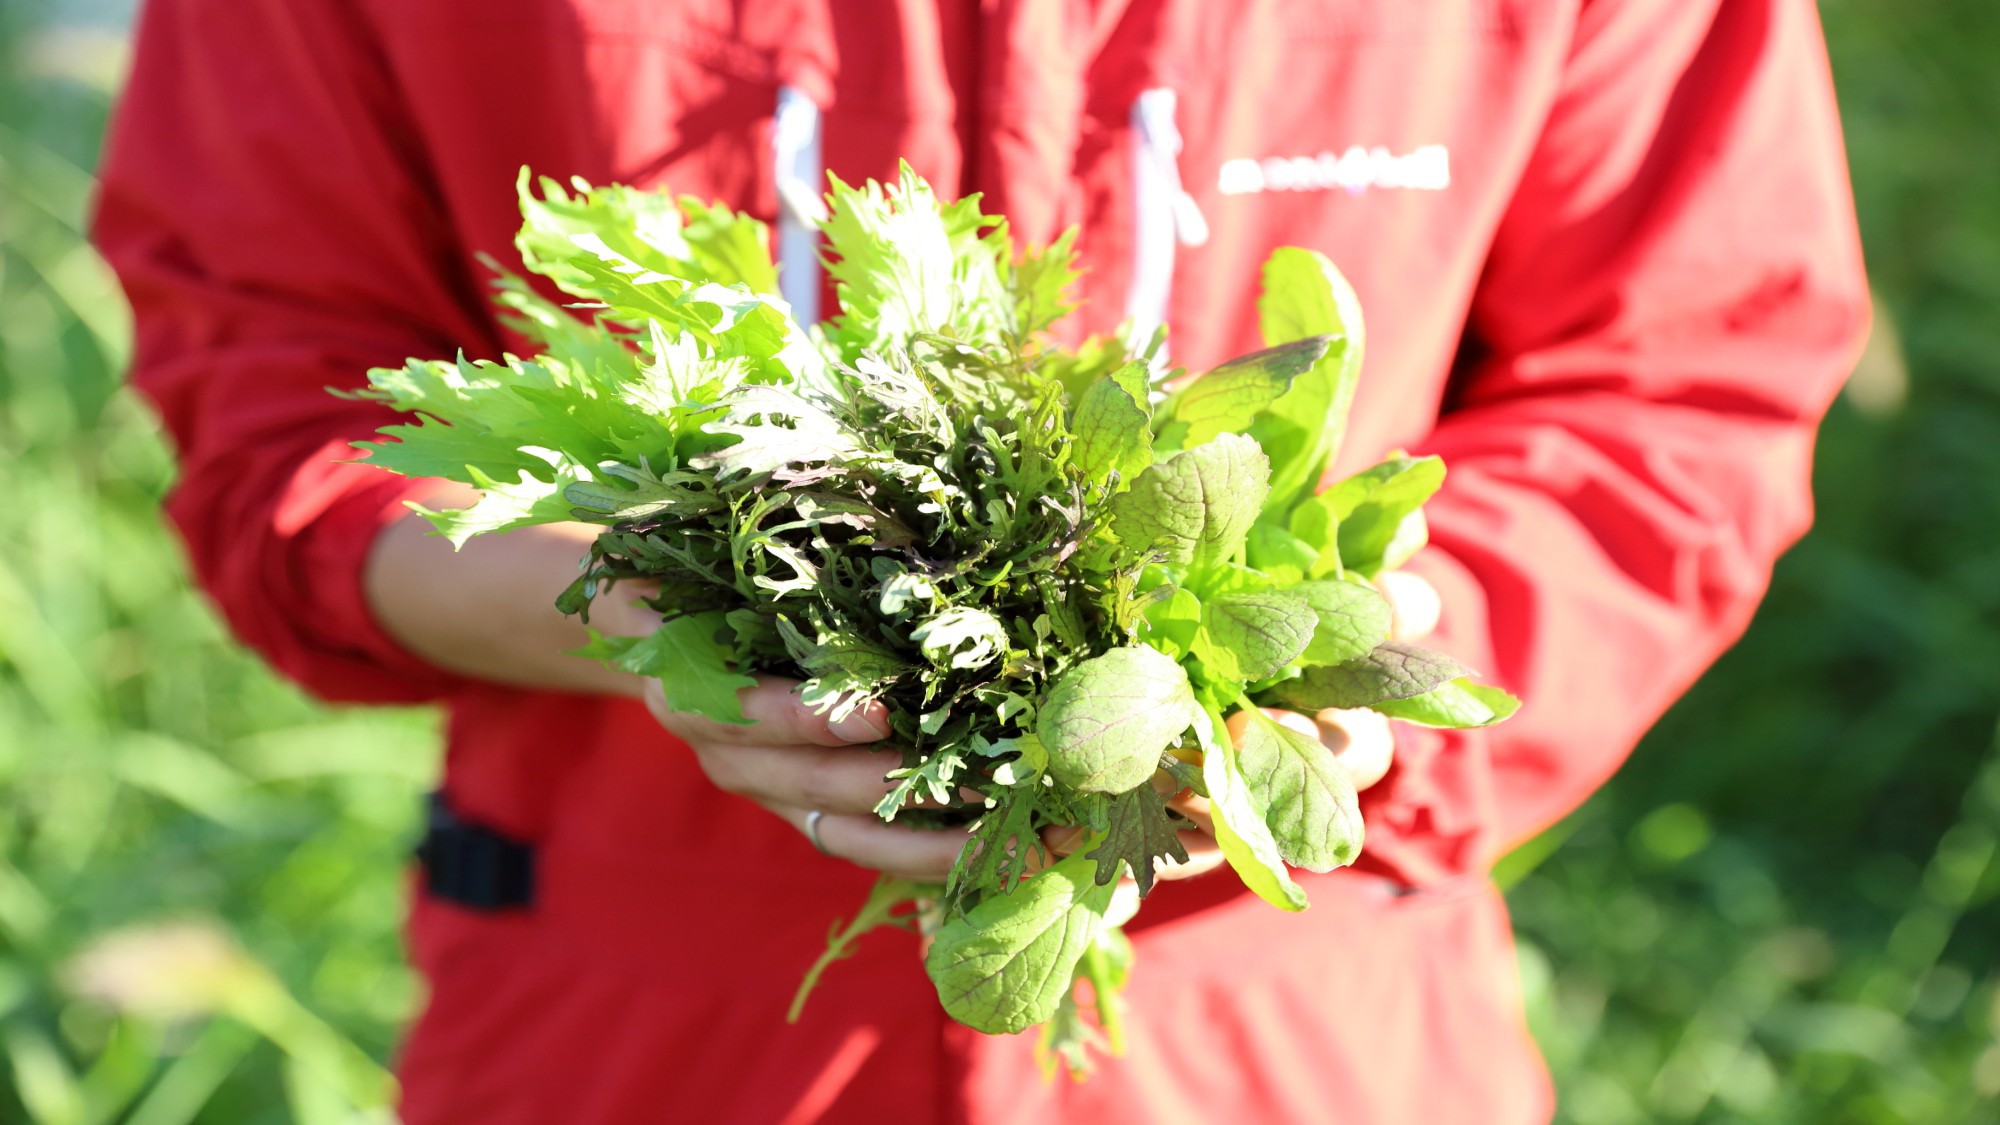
[(1058, 580)]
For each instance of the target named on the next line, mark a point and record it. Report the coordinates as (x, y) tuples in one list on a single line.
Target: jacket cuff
[(322, 532)]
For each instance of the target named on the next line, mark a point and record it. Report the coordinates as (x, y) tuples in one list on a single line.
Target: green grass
[(1781, 911), (151, 772)]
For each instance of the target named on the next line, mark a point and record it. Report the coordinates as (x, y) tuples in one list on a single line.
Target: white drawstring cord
[(795, 145), (1164, 215)]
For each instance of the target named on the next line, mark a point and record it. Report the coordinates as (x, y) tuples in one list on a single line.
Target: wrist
[(486, 610)]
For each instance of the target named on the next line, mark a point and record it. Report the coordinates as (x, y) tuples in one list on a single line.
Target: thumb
[(1414, 605)]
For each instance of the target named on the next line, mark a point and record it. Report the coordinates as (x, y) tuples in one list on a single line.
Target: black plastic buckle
[(473, 865)]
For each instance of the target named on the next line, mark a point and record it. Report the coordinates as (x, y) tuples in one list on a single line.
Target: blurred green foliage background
[(1781, 910)]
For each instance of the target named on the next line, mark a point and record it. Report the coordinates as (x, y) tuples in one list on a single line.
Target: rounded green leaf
[(1308, 799), (1004, 965), (1389, 671), (1106, 722), (1352, 620)]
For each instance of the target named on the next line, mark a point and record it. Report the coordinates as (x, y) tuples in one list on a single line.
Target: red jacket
[(1610, 268)]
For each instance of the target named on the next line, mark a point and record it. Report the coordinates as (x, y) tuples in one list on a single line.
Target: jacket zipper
[(1164, 216), (798, 172)]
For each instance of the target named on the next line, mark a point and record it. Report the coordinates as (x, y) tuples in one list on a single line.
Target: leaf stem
[(876, 911)]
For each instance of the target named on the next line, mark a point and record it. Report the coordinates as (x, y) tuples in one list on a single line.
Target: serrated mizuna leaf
[(1305, 296), (1197, 506), (1041, 284), (1251, 636), (1240, 827), (1227, 398), (1352, 620), (961, 637), (728, 247), (1457, 704), (1307, 796), (1106, 721), (654, 496), (1137, 831), (1391, 670), (691, 665), (1113, 428), (502, 506), (1004, 965)]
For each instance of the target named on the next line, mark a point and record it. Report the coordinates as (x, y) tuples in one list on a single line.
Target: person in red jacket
[(1608, 257)]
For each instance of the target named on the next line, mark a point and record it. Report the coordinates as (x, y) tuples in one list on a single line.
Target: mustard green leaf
[(1308, 799), (1454, 704), (1004, 965), (1247, 637), (1112, 427), (1240, 826), (1196, 507), (1226, 399), (1305, 296), (1106, 721), (1353, 619), (1391, 670)]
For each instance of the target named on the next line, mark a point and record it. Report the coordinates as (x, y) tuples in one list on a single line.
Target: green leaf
[(1113, 431), (1228, 398), (1305, 296), (1247, 637), (1287, 558), (431, 448), (776, 428), (1107, 965), (641, 495), (1240, 826), (961, 637), (1353, 619), (904, 265), (1095, 358), (691, 665), (727, 247), (1455, 704), (1308, 798), (1196, 507), (1380, 511), (1004, 965), (1313, 522), (1172, 621), (1041, 284), (1137, 832), (501, 506), (1107, 720), (1389, 671)]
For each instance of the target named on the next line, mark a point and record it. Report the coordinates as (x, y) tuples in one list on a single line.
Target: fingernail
[(860, 727)]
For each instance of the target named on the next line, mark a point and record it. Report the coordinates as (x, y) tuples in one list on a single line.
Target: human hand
[(795, 762)]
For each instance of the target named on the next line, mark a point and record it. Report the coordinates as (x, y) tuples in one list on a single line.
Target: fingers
[(1414, 605), (1204, 854), (1362, 740), (778, 717), (620, 610), (841, 780), (864, 840)]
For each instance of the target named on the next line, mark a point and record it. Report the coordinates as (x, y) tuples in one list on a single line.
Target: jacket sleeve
[(267, 208), (1672, 299)]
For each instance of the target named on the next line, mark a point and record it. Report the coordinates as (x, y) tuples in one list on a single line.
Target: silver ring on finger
[(812, 831)]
